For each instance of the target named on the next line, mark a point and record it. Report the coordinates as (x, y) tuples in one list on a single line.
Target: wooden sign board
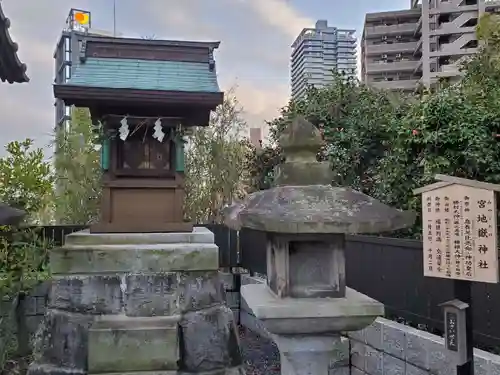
[(460, 233)]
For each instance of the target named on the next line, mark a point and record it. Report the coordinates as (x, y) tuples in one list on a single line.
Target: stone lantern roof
[(12, 69), (303, 201)]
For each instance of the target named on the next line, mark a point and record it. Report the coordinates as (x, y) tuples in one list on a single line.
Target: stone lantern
[(306, 305)]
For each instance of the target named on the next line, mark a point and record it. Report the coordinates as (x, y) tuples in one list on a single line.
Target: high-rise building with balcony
[(317, 52), (391, 49), (429, 41)]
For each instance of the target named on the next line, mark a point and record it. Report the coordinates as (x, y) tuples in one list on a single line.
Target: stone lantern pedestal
[(307, 330), (306, 304)]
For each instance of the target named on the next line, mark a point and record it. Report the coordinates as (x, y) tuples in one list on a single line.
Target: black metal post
[(462, 291)]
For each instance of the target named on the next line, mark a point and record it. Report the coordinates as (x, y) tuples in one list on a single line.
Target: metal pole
[(462, 291), (114, 18)]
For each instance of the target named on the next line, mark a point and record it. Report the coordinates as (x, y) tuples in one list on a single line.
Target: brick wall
[(33, 306), (387, 347), (7, 309)]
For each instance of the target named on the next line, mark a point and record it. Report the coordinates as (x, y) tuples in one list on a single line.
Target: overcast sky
[(254, 54)]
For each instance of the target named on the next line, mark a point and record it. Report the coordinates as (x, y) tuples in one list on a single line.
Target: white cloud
[(281, 15), (263, 89), (183, 21), (260, 104)]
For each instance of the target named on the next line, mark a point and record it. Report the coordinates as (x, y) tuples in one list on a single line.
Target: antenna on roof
[(114, 18)]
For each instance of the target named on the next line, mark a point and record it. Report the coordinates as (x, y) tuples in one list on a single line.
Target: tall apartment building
[(256, 137), (78, 26), (428, 41), (319, 50)]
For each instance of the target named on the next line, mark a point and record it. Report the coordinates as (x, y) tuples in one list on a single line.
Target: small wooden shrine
[(143, 95), (12, 70)]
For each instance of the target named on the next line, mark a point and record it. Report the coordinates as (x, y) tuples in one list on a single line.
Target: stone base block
[(310, 315), (86, 294), (137, 295), (209, 340), (124, 344), (62, 340)]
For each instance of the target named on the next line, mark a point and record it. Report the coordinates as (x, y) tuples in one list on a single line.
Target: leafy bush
[(26, 182), (26, 179)]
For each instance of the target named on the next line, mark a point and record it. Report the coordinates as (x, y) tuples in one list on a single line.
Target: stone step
[(229, 371), (47, 369), (125, 344), (123, 258), (199, 235)]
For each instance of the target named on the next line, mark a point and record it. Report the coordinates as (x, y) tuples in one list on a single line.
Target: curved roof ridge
[(11, 68)]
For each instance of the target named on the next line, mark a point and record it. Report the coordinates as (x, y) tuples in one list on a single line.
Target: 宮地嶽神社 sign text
[(460, 233)]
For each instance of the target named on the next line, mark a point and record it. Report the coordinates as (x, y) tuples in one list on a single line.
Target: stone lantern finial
[(301, 141), (301, 138)]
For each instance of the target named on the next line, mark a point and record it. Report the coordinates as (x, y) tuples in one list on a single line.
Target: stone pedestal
[(307, 330), (318, 355), (131, 303)]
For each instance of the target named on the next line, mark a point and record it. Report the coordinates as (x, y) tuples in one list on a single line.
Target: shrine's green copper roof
[(145, 75)]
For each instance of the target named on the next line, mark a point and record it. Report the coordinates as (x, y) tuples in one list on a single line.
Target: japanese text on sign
[(451, 331), (460, 233)]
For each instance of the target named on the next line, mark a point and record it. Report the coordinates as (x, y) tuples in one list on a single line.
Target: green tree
[(26, 179), (449, 131), (78, 172), (356, 123), (216, 163), (261, 166)]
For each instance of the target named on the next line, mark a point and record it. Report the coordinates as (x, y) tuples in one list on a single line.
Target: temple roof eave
[(12, 69)]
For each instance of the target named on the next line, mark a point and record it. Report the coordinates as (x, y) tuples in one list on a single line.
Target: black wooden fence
[(391, 271)]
